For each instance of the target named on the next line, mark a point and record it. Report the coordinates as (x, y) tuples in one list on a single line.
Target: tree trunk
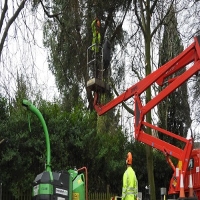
[(149, 150)]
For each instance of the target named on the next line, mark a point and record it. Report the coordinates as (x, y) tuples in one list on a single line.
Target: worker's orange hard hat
[(98, 23), (129, 159)]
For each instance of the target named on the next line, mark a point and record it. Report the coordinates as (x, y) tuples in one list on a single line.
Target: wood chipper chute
[(63, 185)]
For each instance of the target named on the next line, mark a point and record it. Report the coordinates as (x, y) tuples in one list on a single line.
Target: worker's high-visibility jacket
[(130, 185), (96, 36)]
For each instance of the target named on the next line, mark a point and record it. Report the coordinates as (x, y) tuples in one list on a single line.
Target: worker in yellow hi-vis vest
[(130, 183), (96, 34), (96, 40)]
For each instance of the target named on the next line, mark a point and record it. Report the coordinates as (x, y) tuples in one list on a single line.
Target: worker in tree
[(96, 40), (130, 184)]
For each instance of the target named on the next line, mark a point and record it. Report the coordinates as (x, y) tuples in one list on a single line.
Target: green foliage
[(16, 161), (109, 161), (74, 142), (68, 34), (162, 172)]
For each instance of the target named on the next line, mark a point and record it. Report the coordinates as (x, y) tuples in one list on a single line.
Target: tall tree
[(171, 115), (170, 110), (68, 34), (194, 86), (150, 17)]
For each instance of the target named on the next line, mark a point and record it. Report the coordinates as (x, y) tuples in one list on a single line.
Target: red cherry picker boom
[(187, 156)]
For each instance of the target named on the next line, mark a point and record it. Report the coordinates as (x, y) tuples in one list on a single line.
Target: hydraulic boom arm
[(191, 55)]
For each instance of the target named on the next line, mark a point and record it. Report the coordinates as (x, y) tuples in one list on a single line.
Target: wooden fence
[(27, 196)]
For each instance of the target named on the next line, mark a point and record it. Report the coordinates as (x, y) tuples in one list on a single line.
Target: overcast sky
[(23, 53)]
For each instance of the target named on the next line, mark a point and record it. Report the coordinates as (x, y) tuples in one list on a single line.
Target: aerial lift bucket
[(95, 74)]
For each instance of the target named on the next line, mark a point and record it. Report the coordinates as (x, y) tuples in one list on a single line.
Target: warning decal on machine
[(61, 191), (75, 196)]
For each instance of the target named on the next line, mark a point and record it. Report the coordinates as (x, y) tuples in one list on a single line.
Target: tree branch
[(130, 110), (153, 6), (161, 21), (108, 18), (118, 29), (50, 15), (139, 20), (5, 8), (12, 19)]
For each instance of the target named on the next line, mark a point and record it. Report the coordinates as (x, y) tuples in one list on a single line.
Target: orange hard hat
[(98, 23), (129, 159)]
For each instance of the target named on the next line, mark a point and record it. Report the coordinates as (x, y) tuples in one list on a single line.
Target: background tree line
[(74, 143)]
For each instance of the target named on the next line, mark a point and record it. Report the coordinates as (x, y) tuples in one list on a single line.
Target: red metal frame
[(190, 55)]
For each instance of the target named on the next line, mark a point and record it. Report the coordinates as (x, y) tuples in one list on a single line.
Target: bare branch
[(12, 19), (153, 6), (5, 8), (50, 15), (139, 20), (118, 28), (161, 21), (130, 110)]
